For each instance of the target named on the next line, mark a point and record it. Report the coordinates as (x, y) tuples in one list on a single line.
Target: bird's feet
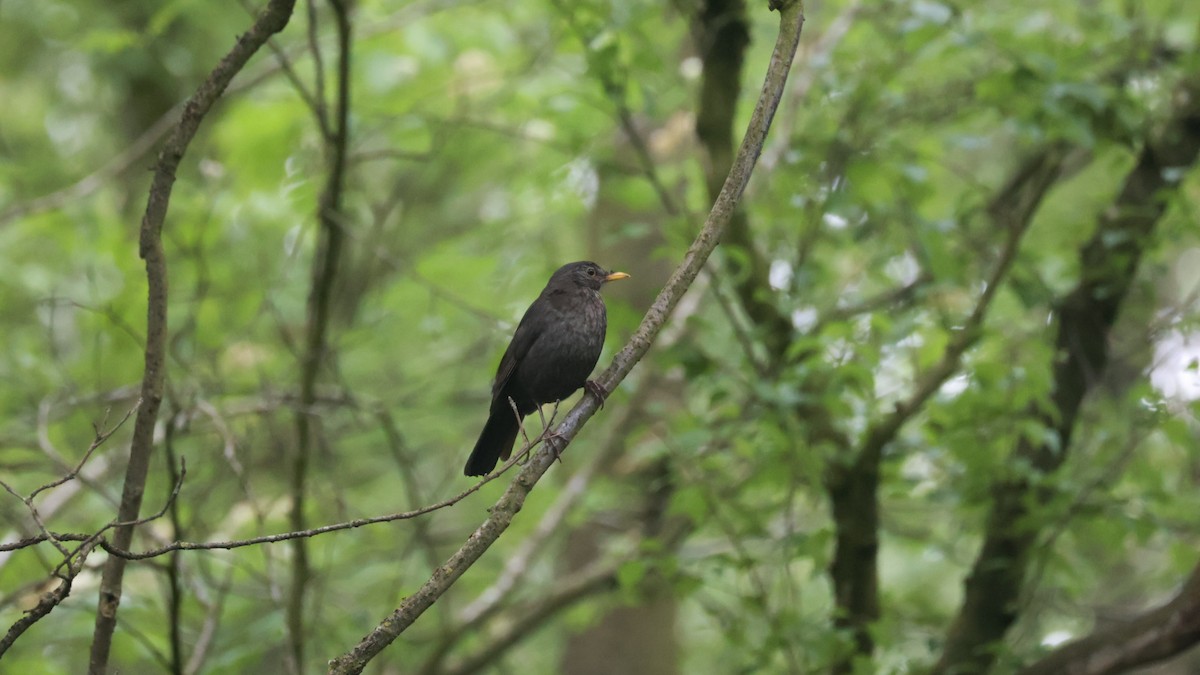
[(596, 389), (549, 436), (553, 440)]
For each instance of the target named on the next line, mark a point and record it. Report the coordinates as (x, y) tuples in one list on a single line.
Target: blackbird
[(551, 354)]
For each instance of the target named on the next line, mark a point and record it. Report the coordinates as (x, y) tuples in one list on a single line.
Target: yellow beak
[(615, 276)]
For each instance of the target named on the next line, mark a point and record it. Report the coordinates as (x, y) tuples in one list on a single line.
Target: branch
[(490, 601), (40, 538), (48, 601), (301, 534), (68, 569), (1011, 211), (326, 260), (97, 441), (1085, 317), (502, 513), (1151, 636), (518, 563), (94, 537), (817, 50), (270, 21)]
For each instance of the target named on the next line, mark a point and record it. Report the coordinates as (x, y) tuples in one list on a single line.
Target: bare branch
[(270, 21), (101, 437), (39, 538), (490, 601), (35, 516), (48, 602), (301, 534)]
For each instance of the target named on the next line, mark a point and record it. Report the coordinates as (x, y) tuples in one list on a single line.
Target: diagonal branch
[(502, 513), (490, 602), (271, 20), (48, 600)]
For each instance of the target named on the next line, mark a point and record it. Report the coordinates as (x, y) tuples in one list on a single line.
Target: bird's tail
[(495, 442)]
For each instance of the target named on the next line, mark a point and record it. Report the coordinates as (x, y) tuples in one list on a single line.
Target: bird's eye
[(591, 271)]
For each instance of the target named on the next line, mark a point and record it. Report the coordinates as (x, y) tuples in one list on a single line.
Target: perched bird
[(551, 354)]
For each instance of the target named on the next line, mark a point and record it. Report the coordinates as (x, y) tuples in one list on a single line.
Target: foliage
[(486, 147)]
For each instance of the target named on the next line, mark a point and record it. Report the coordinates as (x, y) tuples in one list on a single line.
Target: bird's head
[(586, 274)]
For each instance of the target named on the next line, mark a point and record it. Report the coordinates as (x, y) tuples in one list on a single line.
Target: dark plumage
[(551, 354)]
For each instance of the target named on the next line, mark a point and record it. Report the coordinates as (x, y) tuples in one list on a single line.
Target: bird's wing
[(527, 333)]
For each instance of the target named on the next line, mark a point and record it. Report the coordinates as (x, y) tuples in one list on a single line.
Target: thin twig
[(212, 618), (312, 532), (46, 534), (101, 437)]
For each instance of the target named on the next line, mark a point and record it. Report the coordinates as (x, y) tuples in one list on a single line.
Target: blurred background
[(863, 390)]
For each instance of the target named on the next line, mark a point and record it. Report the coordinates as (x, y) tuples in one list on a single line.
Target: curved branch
[(502, 513), (271, 20), (1154, 635)]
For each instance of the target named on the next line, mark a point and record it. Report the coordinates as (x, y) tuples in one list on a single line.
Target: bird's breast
[(567, 349)]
